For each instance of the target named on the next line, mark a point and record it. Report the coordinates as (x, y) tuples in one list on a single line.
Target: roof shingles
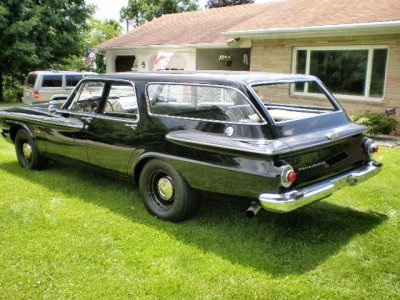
[(199, 27)]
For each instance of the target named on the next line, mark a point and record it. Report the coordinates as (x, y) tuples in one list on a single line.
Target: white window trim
[(370, 49)]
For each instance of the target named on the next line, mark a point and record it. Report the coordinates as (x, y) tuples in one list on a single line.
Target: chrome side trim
[(184, 141), (292, 200)]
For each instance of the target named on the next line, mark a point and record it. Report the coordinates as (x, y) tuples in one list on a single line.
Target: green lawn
[(6, 104), (68, 233)]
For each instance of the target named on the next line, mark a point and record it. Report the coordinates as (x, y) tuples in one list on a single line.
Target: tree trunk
[(1, 87)]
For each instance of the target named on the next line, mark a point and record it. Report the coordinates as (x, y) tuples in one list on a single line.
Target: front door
[(114, 134), (110, 133), (81, 108)]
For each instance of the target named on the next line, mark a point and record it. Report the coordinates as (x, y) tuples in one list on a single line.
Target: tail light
[(288, 176), (370, 147), (36, 94)]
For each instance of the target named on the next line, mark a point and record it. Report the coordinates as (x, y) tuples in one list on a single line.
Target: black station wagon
[(281, 139)]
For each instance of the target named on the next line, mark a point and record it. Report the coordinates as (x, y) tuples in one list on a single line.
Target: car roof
[(52, 72), (233, 77)]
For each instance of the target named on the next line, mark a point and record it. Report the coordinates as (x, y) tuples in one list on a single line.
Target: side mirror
[(52, 109)]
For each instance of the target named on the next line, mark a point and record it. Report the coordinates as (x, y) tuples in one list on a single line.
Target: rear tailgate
[(323, 147)]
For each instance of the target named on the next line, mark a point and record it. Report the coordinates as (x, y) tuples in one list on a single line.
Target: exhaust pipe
[(253, 209)]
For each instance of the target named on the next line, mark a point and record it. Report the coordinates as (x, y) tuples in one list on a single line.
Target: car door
[(114, 132), (81, 108)]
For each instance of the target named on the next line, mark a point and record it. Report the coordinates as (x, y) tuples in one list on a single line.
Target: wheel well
[(138, 169), (13, 131)]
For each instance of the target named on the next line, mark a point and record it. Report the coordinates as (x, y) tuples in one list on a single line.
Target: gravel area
[(388, 141)]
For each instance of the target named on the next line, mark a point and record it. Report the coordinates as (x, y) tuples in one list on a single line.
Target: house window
[(352, 72)]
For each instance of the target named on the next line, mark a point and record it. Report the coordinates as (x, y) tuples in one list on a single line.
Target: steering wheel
[(90, 104), (112, 107)]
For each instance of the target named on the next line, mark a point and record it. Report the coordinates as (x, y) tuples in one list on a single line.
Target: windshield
[(284, 101)]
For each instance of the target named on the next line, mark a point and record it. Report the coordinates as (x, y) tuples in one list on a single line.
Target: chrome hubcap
[(27, 150), (165, 188)]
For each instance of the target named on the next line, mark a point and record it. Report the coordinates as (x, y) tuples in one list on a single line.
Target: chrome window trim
[(98, 116), (102, 115), (263, 121), (336, 105)]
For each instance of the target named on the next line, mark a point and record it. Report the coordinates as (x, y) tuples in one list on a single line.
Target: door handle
[(133, 126)]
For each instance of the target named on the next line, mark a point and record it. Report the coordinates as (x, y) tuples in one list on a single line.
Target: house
[(353, 46)]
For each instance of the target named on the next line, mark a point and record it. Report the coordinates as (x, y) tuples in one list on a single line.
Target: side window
[(52, 81), (30, 80), (88, 97), (121, 101), (201, 102), (72, 80)]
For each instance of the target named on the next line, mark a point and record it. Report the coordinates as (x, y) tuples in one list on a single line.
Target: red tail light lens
[(36, 94), (370, 147), (288, 176), (291, 176)]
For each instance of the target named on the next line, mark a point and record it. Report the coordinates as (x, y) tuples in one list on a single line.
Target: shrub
[(12, 89), (377, 123)]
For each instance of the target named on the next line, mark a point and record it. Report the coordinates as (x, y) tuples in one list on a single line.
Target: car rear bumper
[(292, 200), (31, 101)]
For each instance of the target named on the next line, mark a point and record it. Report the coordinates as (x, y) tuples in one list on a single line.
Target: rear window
[(30, 80), (52, 81), (72, 80), (201, 102), (282, 105)]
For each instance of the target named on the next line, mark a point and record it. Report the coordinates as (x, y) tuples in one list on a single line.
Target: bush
[(377, 123), (12, 89)]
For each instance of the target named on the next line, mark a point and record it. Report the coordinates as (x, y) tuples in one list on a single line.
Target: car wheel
[(27, 152), (165, 192)]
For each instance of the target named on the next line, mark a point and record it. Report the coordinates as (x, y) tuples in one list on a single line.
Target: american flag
[(89, 57), (162, 60)]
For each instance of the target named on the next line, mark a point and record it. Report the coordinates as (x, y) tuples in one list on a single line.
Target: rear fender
[(254, 174)]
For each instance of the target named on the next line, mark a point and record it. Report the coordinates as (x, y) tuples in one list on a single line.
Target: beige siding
[(276, 56), (207, 59)]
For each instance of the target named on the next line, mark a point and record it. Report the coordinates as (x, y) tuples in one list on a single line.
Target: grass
[(7, 104), (68, 233)]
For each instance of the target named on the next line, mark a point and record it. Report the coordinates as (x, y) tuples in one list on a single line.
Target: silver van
[(44, 86)]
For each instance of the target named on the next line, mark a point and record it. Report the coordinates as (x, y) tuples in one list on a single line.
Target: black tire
[(27, 152), (155, 182)]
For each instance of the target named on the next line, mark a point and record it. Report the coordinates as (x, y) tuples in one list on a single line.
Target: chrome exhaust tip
[(253, 209)]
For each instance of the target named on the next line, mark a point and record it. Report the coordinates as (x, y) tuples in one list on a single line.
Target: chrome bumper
[(295, 199)]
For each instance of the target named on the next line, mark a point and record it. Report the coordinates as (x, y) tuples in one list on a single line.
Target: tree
[(140, 11), (222, 3), (97, 32), (38, 34)]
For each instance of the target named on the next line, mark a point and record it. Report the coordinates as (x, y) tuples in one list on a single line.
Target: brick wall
[(276, 56)]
